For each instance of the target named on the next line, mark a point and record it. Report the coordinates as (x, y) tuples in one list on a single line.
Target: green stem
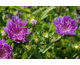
[(56, 40), (32, 30)]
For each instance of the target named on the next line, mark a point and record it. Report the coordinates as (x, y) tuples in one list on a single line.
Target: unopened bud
[(14, 56), (28, 47), (19, 13), (49, 55), (46, 35), (8, 15), (3, 33), (29, 16), (67, 9), (36, 39), (33, 21), (76, 46)]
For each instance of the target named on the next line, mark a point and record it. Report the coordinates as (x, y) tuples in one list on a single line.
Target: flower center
[(65, 29)]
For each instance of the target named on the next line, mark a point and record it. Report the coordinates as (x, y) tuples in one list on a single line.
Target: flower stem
[(56, 40), (32, 30)]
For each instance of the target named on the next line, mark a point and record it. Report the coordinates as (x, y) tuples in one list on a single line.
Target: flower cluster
[(5, 50), (15, 31), (65, 26)]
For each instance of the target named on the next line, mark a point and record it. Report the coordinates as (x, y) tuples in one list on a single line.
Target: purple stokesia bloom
[(64, 25), (15, 31), (5, 50)]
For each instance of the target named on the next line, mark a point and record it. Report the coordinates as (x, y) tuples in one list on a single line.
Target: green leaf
[(24, 55), (22, 9), (15, 13), (12, 45), (31, 55), (38, 10), (52, 28), (46, 11), (9, 41), (74, 55), (47, 49), (3, 17), (38, 55), (45, 16)]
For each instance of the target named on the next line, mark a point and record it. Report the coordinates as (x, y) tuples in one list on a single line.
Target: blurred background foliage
[(41, 45)]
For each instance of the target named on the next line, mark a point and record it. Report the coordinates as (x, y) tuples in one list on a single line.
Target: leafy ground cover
[(36, 37)]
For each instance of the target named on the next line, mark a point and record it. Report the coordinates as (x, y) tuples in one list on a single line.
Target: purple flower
[(5, 50), (28, 40), (19, 13), (33, 33), (15, 31), (76, 58), (8, 15), (25, 6), (65, 26)]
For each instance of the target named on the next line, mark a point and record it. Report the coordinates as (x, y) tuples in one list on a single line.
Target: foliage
[(45, 43)]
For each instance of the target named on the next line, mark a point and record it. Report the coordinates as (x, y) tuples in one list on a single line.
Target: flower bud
[(36, 39), (29, 16), (14, 56), (3, 33), (33, 22), (48, 55), (46, 35), (67, 9), (28, 47), (76, 46), (8, 15), (19, 13)]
